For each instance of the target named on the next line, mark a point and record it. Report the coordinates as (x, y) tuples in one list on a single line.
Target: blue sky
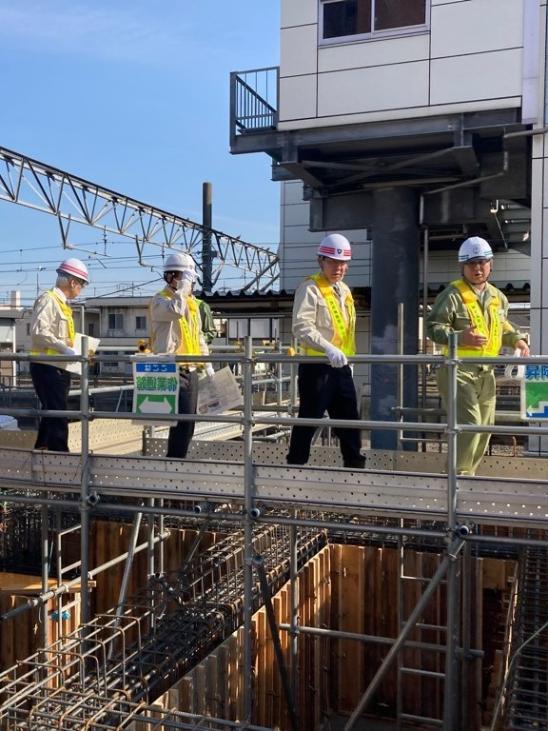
[(133, 96)]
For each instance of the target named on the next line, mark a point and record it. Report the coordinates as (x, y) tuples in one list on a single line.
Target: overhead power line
[(72, 199)]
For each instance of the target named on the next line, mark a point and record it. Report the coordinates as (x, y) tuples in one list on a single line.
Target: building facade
[(408, 125)]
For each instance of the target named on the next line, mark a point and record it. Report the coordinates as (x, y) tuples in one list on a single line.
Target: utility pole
[(207, 254)]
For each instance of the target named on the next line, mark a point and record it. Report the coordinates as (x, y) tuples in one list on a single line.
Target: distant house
[(11, 313)]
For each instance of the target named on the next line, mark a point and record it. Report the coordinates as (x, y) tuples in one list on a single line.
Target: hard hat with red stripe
[(74, 268), (335, 246)]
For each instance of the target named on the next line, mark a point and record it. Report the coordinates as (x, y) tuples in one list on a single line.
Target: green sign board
[(534, 392), (156, 387)]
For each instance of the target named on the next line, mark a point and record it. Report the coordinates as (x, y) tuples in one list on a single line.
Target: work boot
[(355, 464)]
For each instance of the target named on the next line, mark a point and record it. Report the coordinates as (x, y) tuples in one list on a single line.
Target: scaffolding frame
[(455, 533)]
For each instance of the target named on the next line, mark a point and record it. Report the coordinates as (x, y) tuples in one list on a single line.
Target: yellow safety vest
[(67, 312), (492, 330), (190, 329), (344, 332)]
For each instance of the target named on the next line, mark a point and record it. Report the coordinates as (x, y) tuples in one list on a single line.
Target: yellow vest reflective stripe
[(190, 328), (492, 330), (344, 331), (67, 312)]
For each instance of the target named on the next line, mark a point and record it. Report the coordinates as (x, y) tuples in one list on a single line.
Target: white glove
[(69, 351), (209, 370), (336, 358)]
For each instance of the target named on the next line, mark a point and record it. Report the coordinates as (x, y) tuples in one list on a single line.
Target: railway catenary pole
[(207, 252)]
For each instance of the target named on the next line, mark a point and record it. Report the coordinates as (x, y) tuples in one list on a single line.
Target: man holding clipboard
[(52, 331)]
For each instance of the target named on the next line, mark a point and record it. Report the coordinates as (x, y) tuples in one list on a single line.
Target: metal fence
[(452, 502)]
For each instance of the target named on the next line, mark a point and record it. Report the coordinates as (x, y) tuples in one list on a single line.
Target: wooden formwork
[(215, 686), (353, 589), (22, 636)]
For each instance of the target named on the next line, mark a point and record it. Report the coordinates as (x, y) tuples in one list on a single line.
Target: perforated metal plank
[(145, 476), (519, 502), (351, 489)]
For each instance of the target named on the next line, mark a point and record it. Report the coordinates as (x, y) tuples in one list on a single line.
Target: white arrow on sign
[(542, 410), (147, 406)]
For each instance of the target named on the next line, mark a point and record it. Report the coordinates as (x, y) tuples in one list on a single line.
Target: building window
[(28, 328), (91, 329), (140, 322), (350, 18), (115, 321)]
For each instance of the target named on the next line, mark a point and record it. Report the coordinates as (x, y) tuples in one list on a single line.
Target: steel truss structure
[(256, 497), (72, 199)]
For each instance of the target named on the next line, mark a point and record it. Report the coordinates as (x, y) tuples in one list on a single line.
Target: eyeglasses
[(477, 262), (80, 282)]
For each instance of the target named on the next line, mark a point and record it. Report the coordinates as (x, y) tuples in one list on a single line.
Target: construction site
[(230, 589)]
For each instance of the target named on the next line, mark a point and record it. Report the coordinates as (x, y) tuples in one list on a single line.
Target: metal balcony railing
[(253, 100)]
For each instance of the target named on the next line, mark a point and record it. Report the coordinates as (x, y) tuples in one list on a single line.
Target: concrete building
[(10, 314), (408, 126)]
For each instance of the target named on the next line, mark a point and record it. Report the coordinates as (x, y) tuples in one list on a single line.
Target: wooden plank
[(495, 574), (260, 665), (200, 689), (277, 699), (222, 679), (325, 642), (352, 620), (7, 634)]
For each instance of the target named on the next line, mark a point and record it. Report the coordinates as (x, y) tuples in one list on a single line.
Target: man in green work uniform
[(477, 311), (208, 324)]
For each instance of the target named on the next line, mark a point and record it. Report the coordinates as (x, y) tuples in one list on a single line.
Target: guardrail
[(52, 480), (253, 100)]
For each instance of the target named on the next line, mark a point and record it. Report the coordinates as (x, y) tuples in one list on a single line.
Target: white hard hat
[(179, 262), (74, 268), (335, 246), (474, 248)]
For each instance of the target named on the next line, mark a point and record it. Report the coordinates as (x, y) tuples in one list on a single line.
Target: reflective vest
[(190, 328), (66, 310), (344, 330), (492, 330)]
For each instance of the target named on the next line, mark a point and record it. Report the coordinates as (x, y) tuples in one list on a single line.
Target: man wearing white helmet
[(52, 331), (324, 321), (478, 312), (176, 328)]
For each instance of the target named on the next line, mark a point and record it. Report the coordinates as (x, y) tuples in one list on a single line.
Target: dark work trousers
[(180, 435), (323, 388), (52, 388)]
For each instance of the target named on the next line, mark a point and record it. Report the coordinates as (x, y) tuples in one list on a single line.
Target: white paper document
[(93, 344), (219, 393)]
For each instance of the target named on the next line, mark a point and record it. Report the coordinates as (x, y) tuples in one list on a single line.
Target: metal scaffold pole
[(453, 575), (294, 617), (247, 372), (84, 488)]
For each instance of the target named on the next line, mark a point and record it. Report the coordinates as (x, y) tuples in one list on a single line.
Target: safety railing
[(253, 100), (253, 486)]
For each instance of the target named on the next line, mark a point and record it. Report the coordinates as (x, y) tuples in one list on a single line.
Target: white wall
[(510, 267), (298, 245), (470, 58), (298, 251)]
